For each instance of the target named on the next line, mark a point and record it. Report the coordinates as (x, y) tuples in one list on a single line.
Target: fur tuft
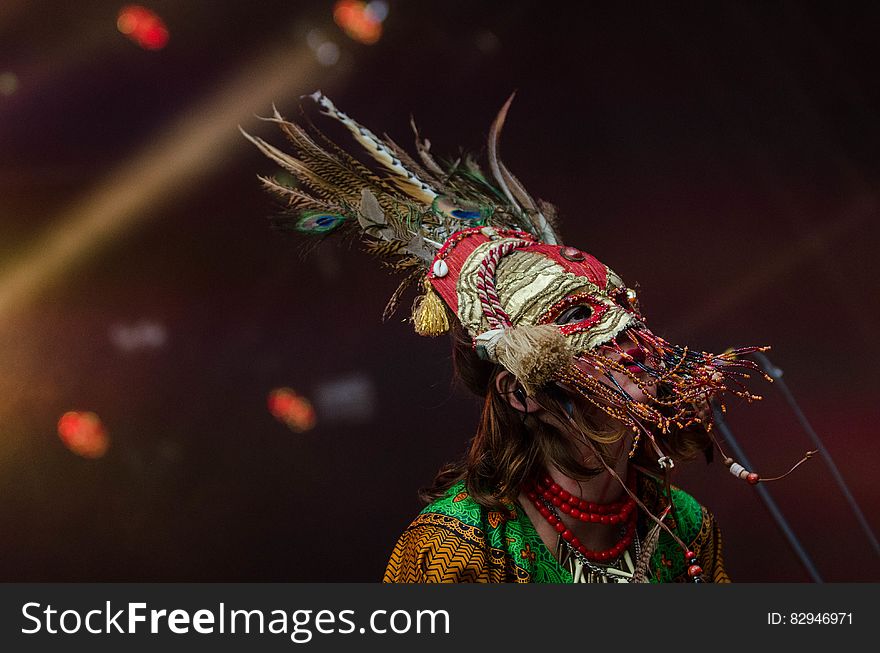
[(533, 354)]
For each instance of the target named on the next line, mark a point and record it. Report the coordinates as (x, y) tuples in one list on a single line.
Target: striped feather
[(405, 179)]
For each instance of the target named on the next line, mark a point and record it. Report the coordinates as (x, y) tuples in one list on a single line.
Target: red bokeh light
[(291, 409), (357, 21), (83, 433), (142, 26)]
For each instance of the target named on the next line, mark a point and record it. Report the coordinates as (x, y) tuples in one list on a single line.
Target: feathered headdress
[(488, 255)]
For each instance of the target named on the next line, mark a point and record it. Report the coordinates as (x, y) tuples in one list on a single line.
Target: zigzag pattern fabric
[(437, 548)]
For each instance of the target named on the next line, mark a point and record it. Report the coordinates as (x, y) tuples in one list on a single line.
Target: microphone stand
[(776, 374), (740, 456)]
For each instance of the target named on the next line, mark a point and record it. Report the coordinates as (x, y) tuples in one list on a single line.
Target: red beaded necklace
[(545, 491), (586, 511)]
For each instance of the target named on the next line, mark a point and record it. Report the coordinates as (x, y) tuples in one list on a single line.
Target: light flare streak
[(180, 156)]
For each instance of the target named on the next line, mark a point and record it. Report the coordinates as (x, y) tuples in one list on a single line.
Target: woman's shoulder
[(686, 513), (456, 502), (459, 513), (693, 523), (453, 539), (456, 512)]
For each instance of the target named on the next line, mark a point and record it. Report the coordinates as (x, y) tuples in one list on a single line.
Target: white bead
[(440, 268), (488, 341)]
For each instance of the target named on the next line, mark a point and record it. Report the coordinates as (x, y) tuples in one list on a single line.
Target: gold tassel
[(429, 313)]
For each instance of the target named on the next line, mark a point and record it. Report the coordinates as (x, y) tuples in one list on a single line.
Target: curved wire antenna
[(764, 493)]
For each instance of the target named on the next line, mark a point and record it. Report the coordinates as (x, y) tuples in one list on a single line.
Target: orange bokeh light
[(291, 409), (357, 21), (142, 26), (83, 433)]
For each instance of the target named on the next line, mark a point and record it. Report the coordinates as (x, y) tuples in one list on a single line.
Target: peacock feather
[(403, 207)]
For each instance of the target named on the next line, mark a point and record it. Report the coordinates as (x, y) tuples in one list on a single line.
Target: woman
[(471, 532), (586, 410)]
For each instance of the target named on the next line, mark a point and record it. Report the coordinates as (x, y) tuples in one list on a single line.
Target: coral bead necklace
[(546, 495)]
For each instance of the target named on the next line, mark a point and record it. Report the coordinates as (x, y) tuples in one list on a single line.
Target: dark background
[(725, 157)]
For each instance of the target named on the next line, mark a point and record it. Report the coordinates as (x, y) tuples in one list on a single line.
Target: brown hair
[(512, 448)]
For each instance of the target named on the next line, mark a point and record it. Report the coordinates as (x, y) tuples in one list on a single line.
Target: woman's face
[(621, 381)]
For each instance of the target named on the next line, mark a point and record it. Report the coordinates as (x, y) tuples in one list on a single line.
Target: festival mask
[(487, 253)]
